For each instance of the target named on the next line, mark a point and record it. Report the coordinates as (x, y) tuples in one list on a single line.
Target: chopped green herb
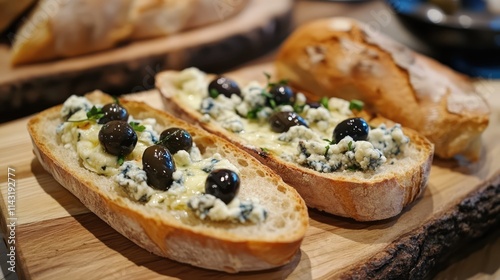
[(271, 84), (349, 146), (272, 102), (327, 149), (353, 168), (324, 101), (116, 100), (120, 160), (266, 94), (252, 114), (95, 113), (356, 105), (330, 142), (265, 150), (137, 127), (298, 108), (213, 93)]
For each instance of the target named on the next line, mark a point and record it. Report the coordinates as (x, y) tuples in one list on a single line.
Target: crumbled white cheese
[(390, 141), (133, 180), (208, 206), (74, 104), (347, 154), (296, 133)]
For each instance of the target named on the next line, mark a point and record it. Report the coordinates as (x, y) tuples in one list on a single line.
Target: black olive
[(357, 128), (159, 166), (118, 138), (314, 105), (176, 139), (223, 85), (282, 121), (113, 112), (281, 94), (223, 184)]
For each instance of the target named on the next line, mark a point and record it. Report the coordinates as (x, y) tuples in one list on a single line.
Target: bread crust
[(367, 199), (344, 58), (211, 245)]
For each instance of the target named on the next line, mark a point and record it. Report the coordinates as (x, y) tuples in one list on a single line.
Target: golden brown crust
[(218, 246), (344, 58), (363, 199)]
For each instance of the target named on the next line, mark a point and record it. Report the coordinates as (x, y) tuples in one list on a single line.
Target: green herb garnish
[(353, 168), (120, 160), (137, 127), (94, 113), (324, 102), (116, 100), (356, 105), (298, 108), (349, 146), (327, 149), (252, 114), (265, 150), (271, 84), (213, 93)]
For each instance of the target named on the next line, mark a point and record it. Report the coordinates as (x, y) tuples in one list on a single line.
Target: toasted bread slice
[(361, 195), (179, 234)]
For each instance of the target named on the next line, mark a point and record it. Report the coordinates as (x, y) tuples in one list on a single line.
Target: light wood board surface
[(56, 236)]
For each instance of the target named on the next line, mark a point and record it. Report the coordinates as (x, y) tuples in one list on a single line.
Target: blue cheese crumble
[(208, 206)]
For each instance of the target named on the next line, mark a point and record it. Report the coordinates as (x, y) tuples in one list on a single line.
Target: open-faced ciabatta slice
[(260, 226), (367, 176)]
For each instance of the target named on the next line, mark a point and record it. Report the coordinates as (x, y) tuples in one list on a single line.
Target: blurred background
[(464, 34)]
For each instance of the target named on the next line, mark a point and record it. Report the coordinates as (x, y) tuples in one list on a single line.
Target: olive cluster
[(281, 94), (276, 94), (119, 138)]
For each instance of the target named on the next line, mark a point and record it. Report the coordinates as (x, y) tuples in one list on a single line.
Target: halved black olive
[(113, 112), (118, 138), (223, 184), (357, 128), (282, 121), (223, 85), (176, 139), (159, 166)]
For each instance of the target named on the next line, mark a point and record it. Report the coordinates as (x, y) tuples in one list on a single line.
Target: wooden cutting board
[(131, 67), (56, 237)]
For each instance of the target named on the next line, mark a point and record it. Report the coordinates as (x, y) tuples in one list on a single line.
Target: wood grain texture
[(57, 236), (131, 67)]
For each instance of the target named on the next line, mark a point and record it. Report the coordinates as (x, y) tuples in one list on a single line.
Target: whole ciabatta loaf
[(363, 196), (179, 234), (345, 58)]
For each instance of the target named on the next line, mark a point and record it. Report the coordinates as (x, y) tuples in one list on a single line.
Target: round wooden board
[(261, 26)]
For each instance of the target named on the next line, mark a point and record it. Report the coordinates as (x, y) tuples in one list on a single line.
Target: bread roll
[(58, 29), (346, 58)]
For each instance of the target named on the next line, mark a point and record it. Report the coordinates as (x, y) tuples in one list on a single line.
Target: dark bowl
[(468, 39)]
